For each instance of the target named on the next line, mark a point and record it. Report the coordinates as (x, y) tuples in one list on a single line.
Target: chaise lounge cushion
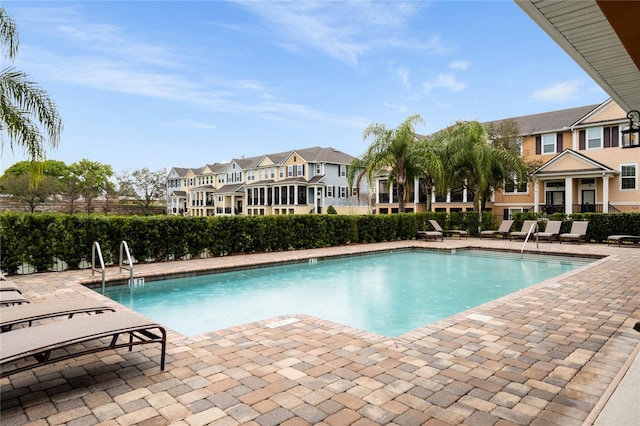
[(66, 339), (13, 315)]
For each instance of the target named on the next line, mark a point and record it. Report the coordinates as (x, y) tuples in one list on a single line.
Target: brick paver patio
[(547, 355)]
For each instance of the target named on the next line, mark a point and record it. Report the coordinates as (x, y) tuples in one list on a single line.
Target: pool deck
[(558, 353)]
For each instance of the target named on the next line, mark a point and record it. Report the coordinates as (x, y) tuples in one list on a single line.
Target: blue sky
[(159, 84)]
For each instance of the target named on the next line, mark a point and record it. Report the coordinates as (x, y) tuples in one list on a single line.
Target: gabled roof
[(179, 171), (217, 167), (230, 189), (546, 122), (324, 155), (178, 194), (573, 163)]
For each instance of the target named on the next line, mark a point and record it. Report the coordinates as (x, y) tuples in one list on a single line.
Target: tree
[(144, 186), (53, 168), (430, 164), (89, 179), (391, 150), (27, 113), (474, 162), (25, 191)]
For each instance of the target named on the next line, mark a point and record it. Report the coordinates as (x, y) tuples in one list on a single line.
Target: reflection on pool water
[(388, 294)]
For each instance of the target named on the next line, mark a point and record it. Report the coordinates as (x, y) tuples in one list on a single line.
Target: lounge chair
[(429, 235), (522, 233), (577, 233), (12, 297), (60, 340), (503, 230), (551, 232), (31, 312), (459, 232), (9, 286), (621, 239)]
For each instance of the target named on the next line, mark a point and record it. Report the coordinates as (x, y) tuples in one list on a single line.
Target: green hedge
[(43, 239)]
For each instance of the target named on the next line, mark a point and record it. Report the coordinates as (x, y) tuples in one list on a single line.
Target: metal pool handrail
[(531, 228), (96, 249), (124, 248)]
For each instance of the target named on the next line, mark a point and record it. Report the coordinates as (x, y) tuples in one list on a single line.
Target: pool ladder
[(97, 252), (531, 228)]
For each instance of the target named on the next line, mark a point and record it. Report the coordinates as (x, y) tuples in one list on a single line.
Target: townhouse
[(306, 180), (585, 168)]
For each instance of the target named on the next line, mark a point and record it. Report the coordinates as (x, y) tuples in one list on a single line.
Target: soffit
[(601, 36)]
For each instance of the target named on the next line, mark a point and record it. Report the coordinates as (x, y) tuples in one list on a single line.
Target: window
[(251, 175), (272, 173), (329, 191), (518, 145), (549, 143), (594, 138), (318, 169), (289, 171), (300, 170), (343, 170), (281, 172), (514, 186), (343, 192), (629, 177)]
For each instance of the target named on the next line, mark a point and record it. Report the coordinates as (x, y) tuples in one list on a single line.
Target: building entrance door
[(588, 200)]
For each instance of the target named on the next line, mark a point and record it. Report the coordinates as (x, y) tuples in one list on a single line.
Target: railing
[(531, 228), (587, 208), (613, 209), (96, 249), (124, 249)]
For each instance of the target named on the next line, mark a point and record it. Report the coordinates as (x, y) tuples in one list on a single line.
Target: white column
[(568, 195), (416, 191), (536, 196), (605, 194), (233, 204)]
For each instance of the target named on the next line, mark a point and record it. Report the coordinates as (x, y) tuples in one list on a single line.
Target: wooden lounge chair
[(577, 233), (14, 315), (450, 232), (60, 340), (522, 233), (12, 297), (622, 239), (502, 231), (551, 232)]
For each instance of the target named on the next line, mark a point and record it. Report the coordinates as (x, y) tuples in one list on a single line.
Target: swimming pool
[(387, 294)]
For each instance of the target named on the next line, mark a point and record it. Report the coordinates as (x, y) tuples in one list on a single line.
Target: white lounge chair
[(577, 233)]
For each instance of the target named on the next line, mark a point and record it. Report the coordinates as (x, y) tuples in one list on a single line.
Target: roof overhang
[(602, 36)]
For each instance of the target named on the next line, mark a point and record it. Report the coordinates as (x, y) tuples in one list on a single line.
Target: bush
[(331, 210), (41, 239)]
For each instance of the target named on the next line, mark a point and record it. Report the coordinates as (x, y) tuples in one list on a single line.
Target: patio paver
[(549, 354)]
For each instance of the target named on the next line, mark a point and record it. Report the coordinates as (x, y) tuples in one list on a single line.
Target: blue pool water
[(388, 294)]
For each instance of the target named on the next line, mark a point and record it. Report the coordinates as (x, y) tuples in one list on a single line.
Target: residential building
[(306, 180), (584, 168)]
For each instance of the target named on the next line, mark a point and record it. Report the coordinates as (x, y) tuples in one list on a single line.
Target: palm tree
[(393, 151), (430, 163), (26, 111), (474, 160)]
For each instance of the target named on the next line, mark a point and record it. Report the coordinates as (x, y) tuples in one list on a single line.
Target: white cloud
[(562, 91), (459, 65), (403, 74), (446, 81), (401, 108), (342, 30)]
